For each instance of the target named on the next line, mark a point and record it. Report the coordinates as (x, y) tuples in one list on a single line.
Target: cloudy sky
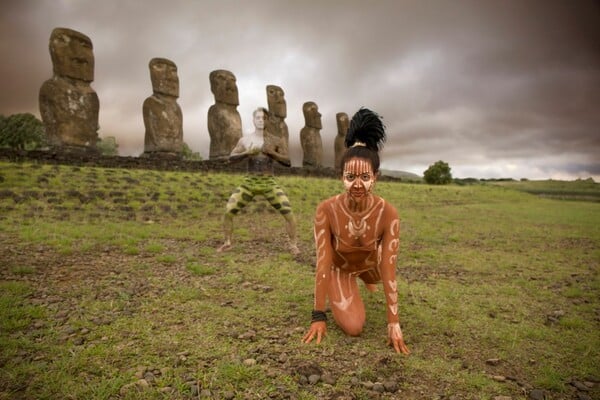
[(495, 88)]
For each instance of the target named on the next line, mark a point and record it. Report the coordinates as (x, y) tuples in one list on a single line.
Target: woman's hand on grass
[(318, 329)]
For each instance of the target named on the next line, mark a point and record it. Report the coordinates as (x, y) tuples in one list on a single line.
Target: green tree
[(438, 174), (189, 155), (22, 132), (108, 146)]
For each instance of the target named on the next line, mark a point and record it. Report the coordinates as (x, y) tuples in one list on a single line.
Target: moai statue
[(310, 136), (68, 105), (163, 119), (342, 126), (275, 124), (224, 121)]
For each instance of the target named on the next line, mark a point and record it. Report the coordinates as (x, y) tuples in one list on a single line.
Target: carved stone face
[(358, 177), (343, 122), (276, 101), (163, 74), (223, 86), (312, 116), (72, 54)]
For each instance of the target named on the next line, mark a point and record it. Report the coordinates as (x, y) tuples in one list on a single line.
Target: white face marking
[(358, 177)]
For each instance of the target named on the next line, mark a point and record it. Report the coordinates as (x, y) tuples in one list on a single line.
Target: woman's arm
[(322, 232), (389, 253)]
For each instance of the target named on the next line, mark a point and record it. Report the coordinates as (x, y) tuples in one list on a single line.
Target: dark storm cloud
[(493, 88)]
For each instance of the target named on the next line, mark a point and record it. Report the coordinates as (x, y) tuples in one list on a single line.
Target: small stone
[(499, 378), (70, 330), (249, 362), (368, 385), (537, 394), (149, 377), (194, 389), (580, 386), (328, 379), (140, 371), (229, 395), (314, 378), (247, 336), (142, 383), (205, 394), (492, 361), (378, 387), (126, 389), (390, 386)]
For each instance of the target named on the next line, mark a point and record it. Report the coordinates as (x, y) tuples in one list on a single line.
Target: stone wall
[(160, 164)]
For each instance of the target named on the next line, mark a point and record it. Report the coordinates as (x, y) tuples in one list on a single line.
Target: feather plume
[(366, 128)]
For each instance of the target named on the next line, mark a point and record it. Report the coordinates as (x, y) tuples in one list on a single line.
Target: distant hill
[(405, 176)]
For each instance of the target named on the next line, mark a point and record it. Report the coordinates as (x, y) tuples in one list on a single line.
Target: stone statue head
[(312, 116), (163, 74), (72, 54), (276, 101), (343, 122), (223, 86)]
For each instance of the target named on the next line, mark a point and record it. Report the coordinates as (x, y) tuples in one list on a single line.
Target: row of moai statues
[(69, 108)]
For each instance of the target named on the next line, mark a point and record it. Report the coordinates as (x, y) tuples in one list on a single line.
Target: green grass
[(105, 273), (580, 189)]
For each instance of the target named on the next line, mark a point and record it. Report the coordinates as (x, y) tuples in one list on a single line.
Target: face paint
[(358, 177)]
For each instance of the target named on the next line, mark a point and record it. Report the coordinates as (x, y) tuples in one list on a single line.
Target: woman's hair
[(364, 139), (264, 110)]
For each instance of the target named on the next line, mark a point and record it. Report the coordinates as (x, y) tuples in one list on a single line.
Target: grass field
[(110, 288)]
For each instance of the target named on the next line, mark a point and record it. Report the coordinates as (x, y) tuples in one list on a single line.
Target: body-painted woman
[(356, 235)]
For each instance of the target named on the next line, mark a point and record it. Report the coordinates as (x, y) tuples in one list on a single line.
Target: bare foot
[(224, 247)]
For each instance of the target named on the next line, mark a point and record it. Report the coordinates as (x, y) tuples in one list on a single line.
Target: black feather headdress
[(366, 129)]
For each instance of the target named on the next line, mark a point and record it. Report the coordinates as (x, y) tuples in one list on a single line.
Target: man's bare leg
[(228, 230), (291, 231)]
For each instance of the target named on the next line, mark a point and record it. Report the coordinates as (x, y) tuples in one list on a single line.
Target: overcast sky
[(495, 88)]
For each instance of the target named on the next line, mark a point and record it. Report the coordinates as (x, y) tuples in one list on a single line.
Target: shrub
[(438, 174)]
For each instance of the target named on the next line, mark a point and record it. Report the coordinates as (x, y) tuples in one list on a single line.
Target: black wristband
[(318, 316)]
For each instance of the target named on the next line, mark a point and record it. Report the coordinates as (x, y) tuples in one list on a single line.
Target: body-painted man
[(356, 235), (261, 149)]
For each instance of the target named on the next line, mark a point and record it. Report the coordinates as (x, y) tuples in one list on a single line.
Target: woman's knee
[(352, 326)]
